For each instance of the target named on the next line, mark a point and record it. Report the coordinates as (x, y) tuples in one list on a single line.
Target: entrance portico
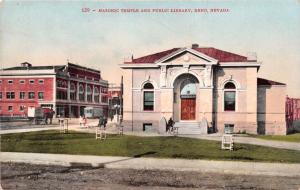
[(185, 97)]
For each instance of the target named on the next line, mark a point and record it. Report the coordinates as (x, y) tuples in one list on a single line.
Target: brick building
[(114, 99), (292, 109), (67, 89)]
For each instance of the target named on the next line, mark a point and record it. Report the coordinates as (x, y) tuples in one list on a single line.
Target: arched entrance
[(185, 97)]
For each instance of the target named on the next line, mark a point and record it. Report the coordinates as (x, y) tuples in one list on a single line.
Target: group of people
[(83, 121), (102, 121)]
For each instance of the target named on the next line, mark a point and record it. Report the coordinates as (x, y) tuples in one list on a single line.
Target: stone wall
[(244, 118), (271, 110)]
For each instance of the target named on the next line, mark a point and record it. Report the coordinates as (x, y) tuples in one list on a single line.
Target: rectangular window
[(0, 108), (22, 81), (81, 96), (22, 108), (0, 95), (61, 95), (72, 95), (31, 81), (10, 108), (22, 95), (104, 99), (228, 128), (96, 98), (89, 97), (41, 81), (30, 95), (147, 127), (10, 82), (10, 95), (229, 101), (41, 95), (148, 101)]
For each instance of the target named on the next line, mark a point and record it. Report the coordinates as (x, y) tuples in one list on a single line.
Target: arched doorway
[(185, 97), (188, 92)]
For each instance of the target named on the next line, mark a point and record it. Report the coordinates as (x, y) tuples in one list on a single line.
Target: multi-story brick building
[(292, 110), (67, 89), (114, 99)]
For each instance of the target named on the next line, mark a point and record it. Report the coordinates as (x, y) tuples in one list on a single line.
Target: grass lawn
[(133, 146), (289, 138)]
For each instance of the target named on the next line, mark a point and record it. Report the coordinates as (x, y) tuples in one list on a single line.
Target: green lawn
[(133, 146), (289, 138)]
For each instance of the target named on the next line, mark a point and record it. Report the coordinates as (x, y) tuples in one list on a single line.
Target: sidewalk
[(230, 167), (251, 140), (8, 131)]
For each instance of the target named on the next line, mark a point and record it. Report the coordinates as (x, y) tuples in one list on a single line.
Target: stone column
[(70, 112), (78, 111), (93, 100), (77, 91), (69, 88), (163, 76), (166, 102), (100, 99), (85, 92)]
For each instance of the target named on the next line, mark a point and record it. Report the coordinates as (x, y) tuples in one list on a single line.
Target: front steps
[(191, 128)]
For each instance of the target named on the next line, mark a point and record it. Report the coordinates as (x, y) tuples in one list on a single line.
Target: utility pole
[(121, 100)]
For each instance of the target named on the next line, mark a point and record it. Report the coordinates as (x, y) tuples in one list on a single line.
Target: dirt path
[(26, 176)]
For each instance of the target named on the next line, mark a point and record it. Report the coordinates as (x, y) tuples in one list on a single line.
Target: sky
[(53, 33)]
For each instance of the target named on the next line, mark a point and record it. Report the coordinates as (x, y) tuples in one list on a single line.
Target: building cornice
[(27, 72), (240, 64), (101, 82), (138, 65)]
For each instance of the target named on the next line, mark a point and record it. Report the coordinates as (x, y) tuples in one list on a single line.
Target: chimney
[(26, 64), (195, 46)]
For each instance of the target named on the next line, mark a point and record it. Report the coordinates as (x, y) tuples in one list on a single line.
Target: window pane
[(229, 96), (31, 95), (148, 103), (149, 96), (229, 101), (148, 86), (148, 108), (229, 85), (41, 95)]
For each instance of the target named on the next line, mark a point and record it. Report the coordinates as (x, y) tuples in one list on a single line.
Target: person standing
[(100, 123), (104, 122), (170, 125), (51, 115), (84, 121), (80, 121)]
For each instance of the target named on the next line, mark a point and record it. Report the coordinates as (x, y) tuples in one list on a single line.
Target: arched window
[(81, 93), (188, 88), (96, 94), (89, 94), (148, 94), (72, 91), (229, 97)]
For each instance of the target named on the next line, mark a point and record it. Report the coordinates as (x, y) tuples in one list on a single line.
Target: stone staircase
[(191, 128)]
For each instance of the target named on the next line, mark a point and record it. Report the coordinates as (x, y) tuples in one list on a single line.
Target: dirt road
[(26, 176)]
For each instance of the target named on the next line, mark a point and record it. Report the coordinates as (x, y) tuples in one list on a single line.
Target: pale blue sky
[(49, 33)]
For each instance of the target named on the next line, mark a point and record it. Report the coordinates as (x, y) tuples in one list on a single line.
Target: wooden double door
[(188, 108)]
